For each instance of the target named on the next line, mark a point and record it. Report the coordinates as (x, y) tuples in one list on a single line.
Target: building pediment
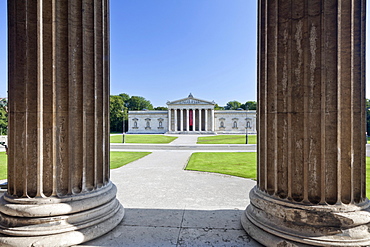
[(190, 100)]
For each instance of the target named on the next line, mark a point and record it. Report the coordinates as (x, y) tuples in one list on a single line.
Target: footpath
[(168, 206)]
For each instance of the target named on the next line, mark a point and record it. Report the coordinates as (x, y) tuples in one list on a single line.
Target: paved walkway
[(167, 206)]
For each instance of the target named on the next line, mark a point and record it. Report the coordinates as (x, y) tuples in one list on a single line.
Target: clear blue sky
[(165, 49)]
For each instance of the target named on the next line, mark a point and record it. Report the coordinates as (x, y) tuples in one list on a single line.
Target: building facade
[(192, 116)]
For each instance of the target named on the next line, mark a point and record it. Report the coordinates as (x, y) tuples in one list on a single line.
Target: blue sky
[(165, 49)]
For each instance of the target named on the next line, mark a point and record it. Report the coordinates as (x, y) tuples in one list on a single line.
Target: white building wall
[(147, 122), (228, 117), (235, 122)]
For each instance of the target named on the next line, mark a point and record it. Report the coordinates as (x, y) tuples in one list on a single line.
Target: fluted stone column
[(59, 192), (311, 132)]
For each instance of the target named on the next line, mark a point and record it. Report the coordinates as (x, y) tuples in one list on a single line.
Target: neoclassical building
[(192, 115)]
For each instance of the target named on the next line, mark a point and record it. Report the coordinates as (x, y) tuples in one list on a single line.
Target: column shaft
[(175, 122), (58, 123), (311, 132), (200, 119), (205, 119), (212, 120), (169, 120)]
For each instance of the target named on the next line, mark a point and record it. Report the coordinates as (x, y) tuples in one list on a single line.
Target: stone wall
[(147, 122), (225, 122), (231, 121)]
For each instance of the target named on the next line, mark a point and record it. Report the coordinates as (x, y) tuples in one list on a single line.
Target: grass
[(160, 139), (239, 164), (3, 165), (118, 159), (367, 177), (227, 139), (235, 163)]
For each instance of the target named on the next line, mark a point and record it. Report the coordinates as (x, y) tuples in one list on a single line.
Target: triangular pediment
[(190, 101)]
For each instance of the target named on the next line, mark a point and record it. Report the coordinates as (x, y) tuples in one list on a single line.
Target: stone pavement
[(167, 206)]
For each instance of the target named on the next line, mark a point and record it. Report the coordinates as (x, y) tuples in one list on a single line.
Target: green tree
[(125, 98), (233, 105), (3, 116), (161, 108), (117, 113), (138, 103), (251, 105), (217, 107)]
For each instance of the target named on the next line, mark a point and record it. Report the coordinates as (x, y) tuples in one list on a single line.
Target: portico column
[(200, 119), (212, 120), (175, 122), (59, 191), (311, 128), (187, 119), (205, 119), (169, 119)]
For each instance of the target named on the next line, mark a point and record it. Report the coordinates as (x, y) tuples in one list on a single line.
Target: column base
[(278, 222), (74, 220)]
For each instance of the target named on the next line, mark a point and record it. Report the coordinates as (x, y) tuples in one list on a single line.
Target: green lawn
[(3, 166), (142, 139), (227, 139), (367, 177), (236, 164), (118, 159)]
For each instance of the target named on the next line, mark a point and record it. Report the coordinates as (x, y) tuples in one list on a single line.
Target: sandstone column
[(311, 132), (59, 192)]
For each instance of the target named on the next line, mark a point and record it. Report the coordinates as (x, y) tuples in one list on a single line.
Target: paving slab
[(168, 206), (185, 139)]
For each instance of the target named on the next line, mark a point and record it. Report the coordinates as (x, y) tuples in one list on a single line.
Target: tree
[(116, 109), (119, 107), (217, 107), (3, 116), (138, 103), (125, 98), (233, 105), (250, 105), (161, 108)]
